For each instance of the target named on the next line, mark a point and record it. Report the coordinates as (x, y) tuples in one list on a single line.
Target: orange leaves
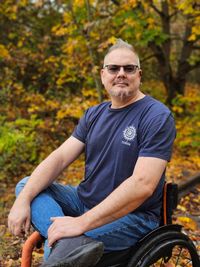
[(38, 103), (76, 106), (72, 109), (188, 208), (187, 113), (188, 223)]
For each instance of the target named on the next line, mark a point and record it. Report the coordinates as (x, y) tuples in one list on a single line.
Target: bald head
[(120, 44)]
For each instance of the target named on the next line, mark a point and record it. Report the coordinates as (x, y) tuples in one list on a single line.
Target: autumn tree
[(170, 28), (51, 53)]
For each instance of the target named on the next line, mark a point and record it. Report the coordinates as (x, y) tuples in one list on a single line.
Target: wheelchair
[(166, 246)]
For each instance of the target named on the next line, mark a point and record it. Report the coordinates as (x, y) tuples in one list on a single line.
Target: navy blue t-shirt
[(115, 138)]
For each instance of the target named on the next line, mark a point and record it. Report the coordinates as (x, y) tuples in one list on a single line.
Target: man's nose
[(121, 72)]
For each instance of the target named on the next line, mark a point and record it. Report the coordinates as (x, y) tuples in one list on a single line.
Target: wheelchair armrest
[(170, 201)]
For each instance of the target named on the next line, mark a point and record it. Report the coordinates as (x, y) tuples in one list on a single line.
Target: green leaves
[(19, 146), (51, 53)]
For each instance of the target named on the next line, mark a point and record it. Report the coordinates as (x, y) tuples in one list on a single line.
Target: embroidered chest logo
[(129, 134)]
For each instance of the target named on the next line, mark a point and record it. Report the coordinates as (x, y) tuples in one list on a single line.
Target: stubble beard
[(122, 94)]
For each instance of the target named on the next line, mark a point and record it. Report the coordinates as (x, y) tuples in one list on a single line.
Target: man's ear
[(102, 74), (140, 72)]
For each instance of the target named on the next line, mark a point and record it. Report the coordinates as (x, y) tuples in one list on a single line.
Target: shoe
[(79, 251)]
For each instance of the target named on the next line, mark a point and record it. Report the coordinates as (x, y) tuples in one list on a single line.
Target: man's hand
[(65, 227), (19, 217)]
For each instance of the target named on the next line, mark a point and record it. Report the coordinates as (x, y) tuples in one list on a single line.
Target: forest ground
[(186, 214)]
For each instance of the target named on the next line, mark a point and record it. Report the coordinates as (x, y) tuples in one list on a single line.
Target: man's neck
[(118, 102)]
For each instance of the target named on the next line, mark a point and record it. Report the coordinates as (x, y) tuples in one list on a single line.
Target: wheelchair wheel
[(167, 250)]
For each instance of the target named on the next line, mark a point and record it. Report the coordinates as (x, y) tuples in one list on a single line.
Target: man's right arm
[(44, 174)]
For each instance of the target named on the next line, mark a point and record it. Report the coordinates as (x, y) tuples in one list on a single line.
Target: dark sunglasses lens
[(113, 68), (130, 68), (127, 68)]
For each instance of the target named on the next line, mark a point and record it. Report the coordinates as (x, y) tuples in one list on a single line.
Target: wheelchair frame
[(158, 244)]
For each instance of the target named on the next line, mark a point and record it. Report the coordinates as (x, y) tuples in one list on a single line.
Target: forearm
[(20, 215), (124, 199), (119, 203), (43, 175), (129, 195), (50, 168)]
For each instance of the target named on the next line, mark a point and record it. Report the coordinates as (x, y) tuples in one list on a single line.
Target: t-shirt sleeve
[(157, 137), (80, 131)]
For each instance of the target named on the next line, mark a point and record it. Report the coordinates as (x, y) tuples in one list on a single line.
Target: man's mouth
[(120, 83)]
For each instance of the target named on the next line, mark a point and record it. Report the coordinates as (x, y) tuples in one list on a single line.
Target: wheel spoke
[(174, 251), (180, 257)]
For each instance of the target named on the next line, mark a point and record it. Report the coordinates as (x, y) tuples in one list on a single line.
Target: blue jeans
[(60, 200)]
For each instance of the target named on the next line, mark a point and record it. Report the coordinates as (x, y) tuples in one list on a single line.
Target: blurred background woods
[(51, 54)]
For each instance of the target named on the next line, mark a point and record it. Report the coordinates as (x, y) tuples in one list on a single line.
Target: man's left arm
[(128, 196)]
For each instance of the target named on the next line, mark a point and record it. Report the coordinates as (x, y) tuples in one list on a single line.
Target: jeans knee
[(20, 185)]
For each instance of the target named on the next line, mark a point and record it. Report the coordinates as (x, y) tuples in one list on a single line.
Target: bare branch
[(147, 58), (173, 14), (156, 9)]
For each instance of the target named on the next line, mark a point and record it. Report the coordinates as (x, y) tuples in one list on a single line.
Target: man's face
[(121, 84)]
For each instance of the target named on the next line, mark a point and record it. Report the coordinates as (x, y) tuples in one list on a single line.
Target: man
[(127, 144)]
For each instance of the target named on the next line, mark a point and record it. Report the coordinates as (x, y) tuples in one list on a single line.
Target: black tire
[(171, 247)]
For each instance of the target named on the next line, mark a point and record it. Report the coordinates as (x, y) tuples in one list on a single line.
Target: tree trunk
[(174, 81), (173, 88)]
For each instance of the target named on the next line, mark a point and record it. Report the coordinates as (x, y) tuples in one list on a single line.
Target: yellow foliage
[(52, 104), (195, 33), (20, 44), (182, 208), (69, 46), (131, 22), (188, 223), (177, 109), (55, 28), (138, 35), (4, 53), (67, 18), (23, 3), (112, 40), (106, 43), (186, 6), (70, 110), (60, 31), (79, 3), (77, 105), (89, 92), (35, 98), (13, 12), (151, 23), (51, 59), (132, 3)]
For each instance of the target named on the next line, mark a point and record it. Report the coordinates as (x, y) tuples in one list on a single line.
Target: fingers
[(18, 227), (15, 228), (27, 225), (52, 240), (54, 231), (53, 236)]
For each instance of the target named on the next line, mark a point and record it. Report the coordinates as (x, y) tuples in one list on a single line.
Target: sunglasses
[(129, 69)]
